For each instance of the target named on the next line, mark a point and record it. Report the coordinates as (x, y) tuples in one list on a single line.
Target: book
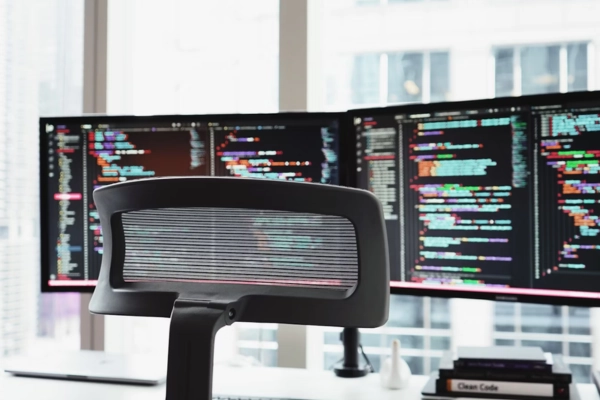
[(502, 353), (560, 372), (503, 365), (485, 388), (503, 358), (429, 392)]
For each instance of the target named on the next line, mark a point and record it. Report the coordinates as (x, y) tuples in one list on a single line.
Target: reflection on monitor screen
[(500, 197), (82, 154)]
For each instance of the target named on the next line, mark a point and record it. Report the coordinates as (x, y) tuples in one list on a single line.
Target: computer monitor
[(495, 199), (80, 154)]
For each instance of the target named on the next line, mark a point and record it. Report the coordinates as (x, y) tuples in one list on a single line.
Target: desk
[(269, 382)]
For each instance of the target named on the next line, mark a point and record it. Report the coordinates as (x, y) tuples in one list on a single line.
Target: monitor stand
[(351, 365)]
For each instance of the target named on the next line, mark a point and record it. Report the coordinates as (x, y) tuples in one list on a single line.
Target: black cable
[(371, 368), (334, 364)]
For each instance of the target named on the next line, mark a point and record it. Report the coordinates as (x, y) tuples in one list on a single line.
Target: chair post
[(194, 325)]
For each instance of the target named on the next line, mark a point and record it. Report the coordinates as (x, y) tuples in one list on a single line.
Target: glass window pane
[(581, 373), (541, 318), (415, 364), (435, 364), (579, 321), (332, 337), (370, 340), (41, 64), (504, 73), (405, 77), (365, 79), (504, 342), (440, 313), (406, 341), (577, 66), (580, 349), (549, 347), (440, 342), (406, 311), (440, 76), (504, 317), (257, 334), (540, 69), (264, 357)]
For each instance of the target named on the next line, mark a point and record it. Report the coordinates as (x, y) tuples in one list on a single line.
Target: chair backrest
[(212, 251), (287, 252)]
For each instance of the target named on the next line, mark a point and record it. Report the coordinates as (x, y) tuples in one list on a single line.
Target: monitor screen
[(80, 154), (495, 199)]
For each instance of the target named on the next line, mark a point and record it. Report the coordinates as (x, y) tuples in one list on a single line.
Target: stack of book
[(503, 372)]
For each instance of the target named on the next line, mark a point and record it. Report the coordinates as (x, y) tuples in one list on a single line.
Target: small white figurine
[(395, 372)]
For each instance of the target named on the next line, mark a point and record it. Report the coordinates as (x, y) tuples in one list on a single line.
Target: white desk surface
[(268, 382)]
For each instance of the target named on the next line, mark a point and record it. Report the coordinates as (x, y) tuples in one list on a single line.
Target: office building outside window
[(542, 69), (394, 78)]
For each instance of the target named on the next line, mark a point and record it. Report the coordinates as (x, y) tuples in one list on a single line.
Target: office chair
[(208, 252)]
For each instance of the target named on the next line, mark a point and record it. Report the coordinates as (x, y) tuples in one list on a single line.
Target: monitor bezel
[(345, 150), (564, 99)]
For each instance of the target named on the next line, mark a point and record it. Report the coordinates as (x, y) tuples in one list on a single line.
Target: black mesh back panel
[(244, 246)]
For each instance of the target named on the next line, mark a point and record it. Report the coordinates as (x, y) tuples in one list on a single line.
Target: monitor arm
[(194, 325), (351, 365)]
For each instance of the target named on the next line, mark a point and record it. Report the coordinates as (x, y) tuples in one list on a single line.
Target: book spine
[(500, 375), (508, 365), (499, 388)]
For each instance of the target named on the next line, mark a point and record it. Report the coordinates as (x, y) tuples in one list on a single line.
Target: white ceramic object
[(395, 372)]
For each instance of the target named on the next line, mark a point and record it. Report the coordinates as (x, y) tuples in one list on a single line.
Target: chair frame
[(199, 310)]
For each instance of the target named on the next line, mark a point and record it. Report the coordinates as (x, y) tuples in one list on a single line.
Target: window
[(543, 69), (369, 53), (193, 57), (379, 52), (41, 72)]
